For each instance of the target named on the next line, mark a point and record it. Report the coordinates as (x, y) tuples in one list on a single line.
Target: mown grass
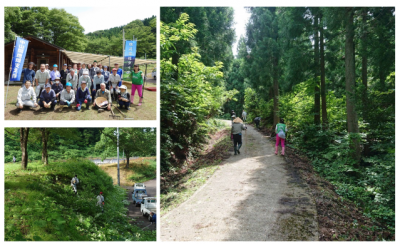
[(140, 170), (182, 187), (40, 205)]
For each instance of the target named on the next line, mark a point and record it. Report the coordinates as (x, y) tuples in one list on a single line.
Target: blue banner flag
[(129, 58), (21, 45)]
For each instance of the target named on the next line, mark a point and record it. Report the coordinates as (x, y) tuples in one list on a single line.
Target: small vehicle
[(148, 205), (139, 192), (154, 73)]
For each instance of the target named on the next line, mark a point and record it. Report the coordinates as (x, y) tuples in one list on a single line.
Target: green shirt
[(137, 78), (280, 127)]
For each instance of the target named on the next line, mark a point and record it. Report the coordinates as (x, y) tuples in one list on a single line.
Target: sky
[(241, 16), (100, 18)]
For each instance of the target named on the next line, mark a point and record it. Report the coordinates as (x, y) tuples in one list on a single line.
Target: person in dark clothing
[(64, 72), (29, 74), (48, 98), (257, 121), (57, 88), (236, 131)]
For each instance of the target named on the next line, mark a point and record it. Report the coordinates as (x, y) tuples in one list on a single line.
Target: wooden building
[(39, 52)]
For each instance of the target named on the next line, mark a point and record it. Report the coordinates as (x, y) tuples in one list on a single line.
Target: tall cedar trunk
[(127, 161), (276, 92), (24, 132), (317, 98), (323, 89), (45, 137), (364, 74), (352, 122)]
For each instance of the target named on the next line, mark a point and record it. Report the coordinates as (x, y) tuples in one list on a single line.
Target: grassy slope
[(140, 170), (40, 205), (148, 110), (178, 187)]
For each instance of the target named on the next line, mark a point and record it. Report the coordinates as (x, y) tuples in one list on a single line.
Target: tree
[(11, 15), (24, 133), (132, 141)]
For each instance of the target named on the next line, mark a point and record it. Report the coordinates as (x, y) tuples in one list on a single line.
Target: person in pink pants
[(137, 83), (280, 131)]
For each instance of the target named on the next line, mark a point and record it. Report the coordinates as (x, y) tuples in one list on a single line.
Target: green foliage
[(144, 171), (190, 93), (40, 205)]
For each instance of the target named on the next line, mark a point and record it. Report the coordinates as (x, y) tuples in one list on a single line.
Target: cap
[(48, 85), (116, 64), (85, 72), (122, 87), (98, 72), (57, 78), (95, 61), (105, 66), (101, 192), (68, 84), (47, 64), (55, 65), (65, 64), (115, 69), (31, 63), (83, 82)]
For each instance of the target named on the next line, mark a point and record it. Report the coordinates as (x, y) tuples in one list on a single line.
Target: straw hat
[(237, 120), (99, 100)]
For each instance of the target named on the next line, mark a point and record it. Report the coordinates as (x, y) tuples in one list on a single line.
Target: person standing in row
[(115, 82), (57, 88), (137, 83), (75, 67), (29, 74), (72, 78), (100, 67), (92, 74), (120, 72), (41, 78), (85, 77), (54, 74), (97, 80), (64, 72), (106, 75), (47, 67), (82, 70)]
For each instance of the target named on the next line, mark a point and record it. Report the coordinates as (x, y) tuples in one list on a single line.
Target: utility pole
[(118, 152)]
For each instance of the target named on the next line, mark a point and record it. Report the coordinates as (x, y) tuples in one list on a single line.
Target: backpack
[(73, 181), (281, 132)]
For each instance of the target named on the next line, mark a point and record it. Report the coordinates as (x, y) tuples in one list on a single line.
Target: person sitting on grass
[(48, 98), (67, 96), (123, 98), (103, 92), (26, 97), (57, 87), (83, 96)]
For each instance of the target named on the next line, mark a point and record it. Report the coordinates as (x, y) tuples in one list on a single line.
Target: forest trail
[(254, 196), (134, 212)]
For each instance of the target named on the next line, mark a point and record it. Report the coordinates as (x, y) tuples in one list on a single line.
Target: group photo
[(104, 74)]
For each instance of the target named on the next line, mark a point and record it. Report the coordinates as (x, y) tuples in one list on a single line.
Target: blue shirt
[(120, 75), (29, 74), (54, 75), (85, 94), (106, 74), (57, 88), (48, 96)]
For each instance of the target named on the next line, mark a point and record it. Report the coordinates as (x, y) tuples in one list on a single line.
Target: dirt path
[(255, 196), (134, 212)]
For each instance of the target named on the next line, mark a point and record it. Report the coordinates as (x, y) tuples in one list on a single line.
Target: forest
[(40, 204), (328, 72), (63, 29)]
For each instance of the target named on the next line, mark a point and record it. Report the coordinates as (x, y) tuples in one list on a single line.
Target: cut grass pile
[(40, 205)]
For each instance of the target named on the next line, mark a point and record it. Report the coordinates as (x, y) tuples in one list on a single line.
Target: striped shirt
[(42, 76)]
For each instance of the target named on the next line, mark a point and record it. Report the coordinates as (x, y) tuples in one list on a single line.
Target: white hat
[(85, 72), (123, 87)]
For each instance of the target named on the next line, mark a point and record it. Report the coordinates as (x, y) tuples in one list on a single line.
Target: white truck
[(148, 205)]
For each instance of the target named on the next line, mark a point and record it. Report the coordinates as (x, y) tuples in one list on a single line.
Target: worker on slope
[(74, 182), (236, 131), (100, 201), (280, 130)]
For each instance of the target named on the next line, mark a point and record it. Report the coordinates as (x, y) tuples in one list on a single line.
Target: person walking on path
[(100, 201), (257, 121), (233, 115), (74, 182), (236, 132), (280, 131), (137, 83), (29, 74), (41, 78), (244, 116), (14, 159)]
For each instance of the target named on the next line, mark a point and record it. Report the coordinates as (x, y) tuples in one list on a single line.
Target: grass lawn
[(140, 170), (147, 111), (41, 206)]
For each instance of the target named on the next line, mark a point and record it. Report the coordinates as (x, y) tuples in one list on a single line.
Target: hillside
[(40, 205)]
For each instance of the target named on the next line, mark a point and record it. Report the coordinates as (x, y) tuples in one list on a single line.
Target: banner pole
[(9, 73)]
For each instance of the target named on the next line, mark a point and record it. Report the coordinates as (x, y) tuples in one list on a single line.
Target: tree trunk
[(352, 121), (364, 75), (276, 93), (127, 161), (45, 138), (24, 133), (323, 89), (317, 95)]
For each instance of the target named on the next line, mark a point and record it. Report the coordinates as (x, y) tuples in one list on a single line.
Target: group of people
[(99, 198), (78, 85), (238, 126)]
